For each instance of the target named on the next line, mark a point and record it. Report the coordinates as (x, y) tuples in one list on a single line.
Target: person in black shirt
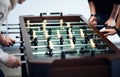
[(103, 12), (114, 30)]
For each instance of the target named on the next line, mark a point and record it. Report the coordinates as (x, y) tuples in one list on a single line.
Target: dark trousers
[(1, 73), (101, 19)]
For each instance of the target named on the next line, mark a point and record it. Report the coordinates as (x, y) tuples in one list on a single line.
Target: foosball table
[(66, 46)]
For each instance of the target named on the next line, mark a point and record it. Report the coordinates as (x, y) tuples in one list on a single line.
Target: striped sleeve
[(3, 56)]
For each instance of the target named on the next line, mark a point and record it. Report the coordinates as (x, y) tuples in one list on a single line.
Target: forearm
[(114, 11), (117, 27), (118, 21), (92, 7)]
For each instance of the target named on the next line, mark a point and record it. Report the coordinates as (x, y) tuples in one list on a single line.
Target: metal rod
[(10, 32), (51, 22), (10, 24), (18, 54)]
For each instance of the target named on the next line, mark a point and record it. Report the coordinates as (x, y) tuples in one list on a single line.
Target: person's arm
[(6, 41), (118, 20), (92, 7), (117, 27), (92, 19), (13, 4), (9, 60), (114, 30), (112, 18), (114, 11)]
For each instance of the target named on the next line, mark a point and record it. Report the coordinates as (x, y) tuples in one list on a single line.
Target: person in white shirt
[(10, 61)]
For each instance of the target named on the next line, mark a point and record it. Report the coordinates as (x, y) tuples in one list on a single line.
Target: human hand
[(6, 41), (92, 20), (107, 32), (110, 23), (13, 62)]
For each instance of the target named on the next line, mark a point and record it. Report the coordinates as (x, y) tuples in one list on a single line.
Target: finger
[(13, 41), (105, 35), (94, 22), (10, 42), (19, 62), (15, 65), (104, 30), (5, 42)]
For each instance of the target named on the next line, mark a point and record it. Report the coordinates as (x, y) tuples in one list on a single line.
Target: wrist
[(118, 27), (93, 15), (117, 30), (3, 56)]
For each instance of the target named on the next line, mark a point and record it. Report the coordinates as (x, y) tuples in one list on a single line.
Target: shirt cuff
[(3, 56)]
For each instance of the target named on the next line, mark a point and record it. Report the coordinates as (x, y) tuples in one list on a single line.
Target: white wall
[(34, 7)]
